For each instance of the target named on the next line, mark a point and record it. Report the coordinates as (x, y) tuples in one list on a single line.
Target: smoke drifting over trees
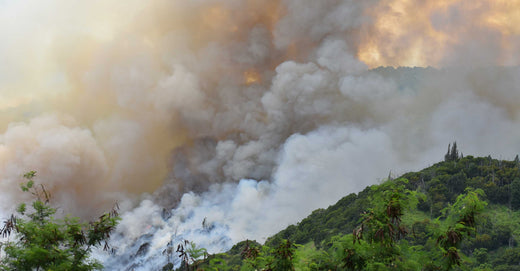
[(247, 113)]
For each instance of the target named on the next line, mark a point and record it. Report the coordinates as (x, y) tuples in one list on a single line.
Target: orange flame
[(252, 77)]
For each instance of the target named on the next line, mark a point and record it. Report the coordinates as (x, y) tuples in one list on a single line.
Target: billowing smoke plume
[(218, 121)]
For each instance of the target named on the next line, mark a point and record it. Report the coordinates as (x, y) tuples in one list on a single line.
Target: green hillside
[(459, 214)]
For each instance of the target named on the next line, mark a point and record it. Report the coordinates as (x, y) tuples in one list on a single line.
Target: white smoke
[(407, 116)]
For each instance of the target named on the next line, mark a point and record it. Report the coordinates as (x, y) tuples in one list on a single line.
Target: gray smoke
[(247, 115)]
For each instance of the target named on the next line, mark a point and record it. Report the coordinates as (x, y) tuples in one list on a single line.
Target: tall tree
[(453, 152), (454, 155)]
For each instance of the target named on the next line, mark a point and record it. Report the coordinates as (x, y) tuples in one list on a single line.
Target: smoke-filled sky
[(248, 113)]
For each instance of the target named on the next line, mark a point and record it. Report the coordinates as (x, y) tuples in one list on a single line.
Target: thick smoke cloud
[(56, 149), (246, 115)]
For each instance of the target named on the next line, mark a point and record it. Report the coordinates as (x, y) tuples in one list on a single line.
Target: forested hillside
[(459, 214)]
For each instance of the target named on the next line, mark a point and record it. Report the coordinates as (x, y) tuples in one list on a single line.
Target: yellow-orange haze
[(97, 95), (428, 33), (92, 93)]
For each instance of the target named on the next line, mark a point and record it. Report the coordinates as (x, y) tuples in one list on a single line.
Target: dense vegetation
[(42, 242), (459, 214)]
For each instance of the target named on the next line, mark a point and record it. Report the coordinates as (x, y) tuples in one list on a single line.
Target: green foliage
[(43, 242), (460, 221), (283, 256), (321, 225), (307, 257), (266, 258), (460, 214), (515, 194), (453, 153), (383, 242), (195, 252), (218, 264), (191, 255)]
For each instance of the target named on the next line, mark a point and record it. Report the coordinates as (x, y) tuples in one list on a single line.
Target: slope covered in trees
[(459, 214)]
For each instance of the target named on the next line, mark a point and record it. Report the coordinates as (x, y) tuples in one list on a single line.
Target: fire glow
[(424, 33)]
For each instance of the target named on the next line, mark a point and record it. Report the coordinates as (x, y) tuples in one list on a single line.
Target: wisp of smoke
[(221, 120)]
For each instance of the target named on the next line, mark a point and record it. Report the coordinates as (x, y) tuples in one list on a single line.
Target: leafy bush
[(43, 242)]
